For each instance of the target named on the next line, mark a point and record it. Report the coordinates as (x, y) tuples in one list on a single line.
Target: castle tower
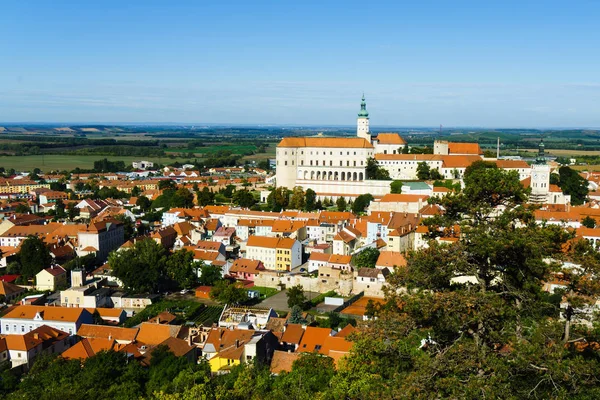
[(362, 123), (540, 177)]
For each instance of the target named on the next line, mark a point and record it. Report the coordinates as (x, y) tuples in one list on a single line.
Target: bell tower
[(362, 123), (540, 177)]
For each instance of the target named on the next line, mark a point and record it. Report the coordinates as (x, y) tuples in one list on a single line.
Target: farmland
[(54, 162)]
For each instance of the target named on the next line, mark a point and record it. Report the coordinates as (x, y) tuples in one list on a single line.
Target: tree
[(183, 198), (228, 293), (341, 203), (296, 297), (311, 374), (396, 187), (243, 198), (588, 222), (361, 203), (374, 171), (573, 184), (423, 171), (141, 268), (297, 199), (72, 211), (366, 258), (143, 203), (33, 257), (278, 199), (181, 269), (206, 197), (296, 316), (22, 209), (310, 198), (209, 274), (166, 184), (136, 191)]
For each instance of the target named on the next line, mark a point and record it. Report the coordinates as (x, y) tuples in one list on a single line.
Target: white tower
[(362, 123), (540, 177)]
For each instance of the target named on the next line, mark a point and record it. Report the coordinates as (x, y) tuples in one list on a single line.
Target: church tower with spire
[(540, 177), (362, 123)]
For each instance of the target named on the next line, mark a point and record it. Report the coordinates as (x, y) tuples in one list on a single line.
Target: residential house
[(24, 348), (51, 279), (10, 291), (100, 238), (165, 237), (246, 269), (225, 236), (370, 281), (25, 318), (281, 254)]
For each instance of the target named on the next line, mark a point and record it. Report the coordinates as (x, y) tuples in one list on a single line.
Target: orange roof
[(350, 142), (313, 339), (457, 161), (87, 348), (246, 265), (69, 314), (464, 148), (154, 334), (505, 164), (339, 259), (177, 346), (9, 289), (107, 332), (408, 157), (390, 259), (359, 306), (42, 335), (286, 243), (292, 334), (346, 331), (316, 256), (390, 138), (282, 361), (403, 198)]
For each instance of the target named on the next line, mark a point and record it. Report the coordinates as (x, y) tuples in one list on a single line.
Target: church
[(335, 165)]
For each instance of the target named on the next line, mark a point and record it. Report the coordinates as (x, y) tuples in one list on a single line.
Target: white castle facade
[(335, 165)]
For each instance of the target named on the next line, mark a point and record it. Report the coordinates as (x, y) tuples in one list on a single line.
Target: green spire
[(363, 108), (541, 156)]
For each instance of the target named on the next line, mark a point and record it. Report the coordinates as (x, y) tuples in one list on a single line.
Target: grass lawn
[(185, 309), (264, 291), (234, 148), (69, 162)]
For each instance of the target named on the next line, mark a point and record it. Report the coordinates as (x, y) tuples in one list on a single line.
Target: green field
[(235, 149), (55, 162)]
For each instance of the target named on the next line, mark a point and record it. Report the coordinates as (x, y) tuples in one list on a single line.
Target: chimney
[(36, 336), (158, 320), (237, 343)]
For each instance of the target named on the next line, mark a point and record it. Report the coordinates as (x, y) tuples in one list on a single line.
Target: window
[(317, 347), (286, 163)]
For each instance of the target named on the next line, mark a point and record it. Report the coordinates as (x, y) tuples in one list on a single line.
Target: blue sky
[(422, 63)]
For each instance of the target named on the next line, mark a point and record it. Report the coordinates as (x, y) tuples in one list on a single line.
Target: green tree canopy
[(295, 296), (228, 293), (33, 257), (396, 187), (341, 203), (361, 203), (141, 268), (366, 258), (573, 184)]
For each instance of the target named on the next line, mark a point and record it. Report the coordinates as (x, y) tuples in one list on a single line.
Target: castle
[(335, 165)]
